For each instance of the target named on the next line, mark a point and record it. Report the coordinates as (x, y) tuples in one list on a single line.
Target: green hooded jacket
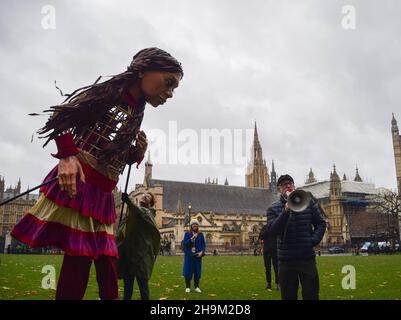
[(138, 241)]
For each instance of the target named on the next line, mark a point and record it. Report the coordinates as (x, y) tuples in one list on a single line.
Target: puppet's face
[(158, 86)]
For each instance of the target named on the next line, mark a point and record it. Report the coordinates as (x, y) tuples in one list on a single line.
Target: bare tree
[(388, 206)]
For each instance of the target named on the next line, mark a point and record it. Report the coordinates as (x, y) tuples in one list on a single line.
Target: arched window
[(226, 227), (208, 238)]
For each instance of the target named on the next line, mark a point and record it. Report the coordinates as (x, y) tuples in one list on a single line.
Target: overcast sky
[(320, 94)]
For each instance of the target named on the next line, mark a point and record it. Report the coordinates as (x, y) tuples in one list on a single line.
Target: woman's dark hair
[(86, 105)]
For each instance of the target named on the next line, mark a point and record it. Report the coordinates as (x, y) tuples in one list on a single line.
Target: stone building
[(12, 212), (231, 216), (348, 205)]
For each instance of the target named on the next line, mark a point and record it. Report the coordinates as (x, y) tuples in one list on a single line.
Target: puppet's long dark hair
[(85, 106)]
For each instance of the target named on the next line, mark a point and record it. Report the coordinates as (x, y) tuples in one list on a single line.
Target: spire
[(2, 187), (311, 177), (273, 179), (180, 207), (344, 177), (393, 121), (256, 154), (255, 133), (335, 175), (394, 127), (357, 176), (226, 182), (257, 175)]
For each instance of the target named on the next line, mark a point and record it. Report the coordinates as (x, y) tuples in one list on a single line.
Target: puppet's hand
[(68, 169), (141, 142)]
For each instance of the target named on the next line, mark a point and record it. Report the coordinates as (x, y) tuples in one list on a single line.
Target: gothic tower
[(357, 176), (2, 187), (257, 175), (18, 189), (311, 177), (336, 213), (397, 151), (273, 179)]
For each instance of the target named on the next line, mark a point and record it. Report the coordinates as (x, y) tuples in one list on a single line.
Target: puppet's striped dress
[(80, 226)]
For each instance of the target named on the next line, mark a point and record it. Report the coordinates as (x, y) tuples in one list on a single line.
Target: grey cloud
[(320, 94)]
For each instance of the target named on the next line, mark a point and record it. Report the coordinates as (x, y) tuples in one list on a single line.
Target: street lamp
[(189, 213)]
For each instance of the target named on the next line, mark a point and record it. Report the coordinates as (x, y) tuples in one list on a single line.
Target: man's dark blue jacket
[(298, 232)]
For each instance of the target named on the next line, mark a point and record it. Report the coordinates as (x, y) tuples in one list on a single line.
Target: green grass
[(224, 277)]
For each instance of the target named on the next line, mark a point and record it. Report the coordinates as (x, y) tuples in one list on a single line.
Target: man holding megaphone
[(297, 220)]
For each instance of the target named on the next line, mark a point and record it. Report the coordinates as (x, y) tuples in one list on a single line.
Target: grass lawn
[(224, 277)]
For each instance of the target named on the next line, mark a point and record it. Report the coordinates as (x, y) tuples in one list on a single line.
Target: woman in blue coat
[(194, 249)]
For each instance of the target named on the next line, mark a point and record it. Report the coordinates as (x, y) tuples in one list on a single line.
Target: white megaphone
[(298, 200)]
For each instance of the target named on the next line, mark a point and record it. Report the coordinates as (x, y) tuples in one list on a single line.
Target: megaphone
[(298, 200)]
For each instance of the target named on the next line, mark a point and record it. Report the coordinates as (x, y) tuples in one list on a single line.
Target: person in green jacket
[(138, 241)]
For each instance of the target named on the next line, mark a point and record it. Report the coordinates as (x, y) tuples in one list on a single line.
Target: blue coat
[(193, 265)]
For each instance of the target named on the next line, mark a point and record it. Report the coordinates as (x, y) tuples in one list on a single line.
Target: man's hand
[(125, 198), (68, 168), (287, 208), (194, 237), (200, 254), (141, 142)]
